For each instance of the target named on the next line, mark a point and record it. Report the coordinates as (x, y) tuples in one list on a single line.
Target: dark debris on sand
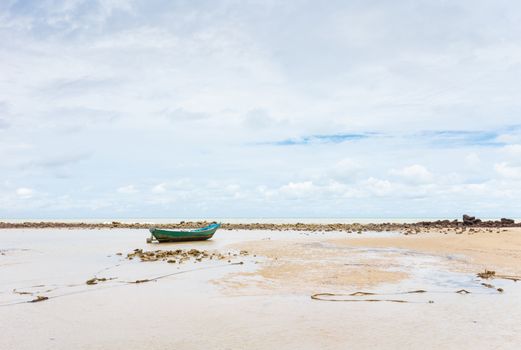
[(488, 274), (38, 299), (96, 280), (179, 255)]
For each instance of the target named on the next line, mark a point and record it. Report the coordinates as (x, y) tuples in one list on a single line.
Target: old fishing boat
[(200, 234)]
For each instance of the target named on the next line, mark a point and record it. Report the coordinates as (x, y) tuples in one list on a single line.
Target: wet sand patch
[(340, 264), (303, 267), (483, 250)]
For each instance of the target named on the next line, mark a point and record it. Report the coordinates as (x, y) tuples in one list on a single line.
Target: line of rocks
[(468, 221), (179, 255)]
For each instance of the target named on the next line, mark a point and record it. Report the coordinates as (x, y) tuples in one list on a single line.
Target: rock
[(39, 298), (463, 291), (487, 274), (470, 220), (506, 221)]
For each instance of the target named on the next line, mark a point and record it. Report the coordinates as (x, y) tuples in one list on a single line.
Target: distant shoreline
[(468, 222)]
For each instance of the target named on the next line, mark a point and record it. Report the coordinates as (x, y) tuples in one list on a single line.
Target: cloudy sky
[(114, 109)]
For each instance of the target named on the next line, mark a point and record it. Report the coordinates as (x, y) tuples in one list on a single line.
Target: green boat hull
[(183, 236)]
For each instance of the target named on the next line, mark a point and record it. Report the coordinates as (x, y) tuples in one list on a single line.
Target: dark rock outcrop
[(470, 220), (505, 221)]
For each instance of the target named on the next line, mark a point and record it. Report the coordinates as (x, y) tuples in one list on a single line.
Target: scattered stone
[(492, 274), (21, 292), (486, 274), (463, 291), (39, 298), (95, 280), (180, 255)]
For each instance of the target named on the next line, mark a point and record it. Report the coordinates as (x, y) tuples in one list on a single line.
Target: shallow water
[(191, 311)]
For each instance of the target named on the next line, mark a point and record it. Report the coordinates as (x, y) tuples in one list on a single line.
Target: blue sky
[(260, 108)]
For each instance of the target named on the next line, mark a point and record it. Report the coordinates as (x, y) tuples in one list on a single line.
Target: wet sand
[(479, 250), (260, 299)]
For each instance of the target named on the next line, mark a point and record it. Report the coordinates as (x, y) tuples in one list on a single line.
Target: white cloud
[(24, 192), (472, 160), (507, 170), (509, 138), (129, 189), (297, 189), (159, 188), (346, 169), (378, 187), (3, 124), (414, 174), (513, 153)]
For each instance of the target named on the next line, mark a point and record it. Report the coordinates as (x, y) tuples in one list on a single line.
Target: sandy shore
[(252, 289), (378, 259), (477, 250)]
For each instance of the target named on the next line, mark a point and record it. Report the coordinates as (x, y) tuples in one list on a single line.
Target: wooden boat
[(200, 234)]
